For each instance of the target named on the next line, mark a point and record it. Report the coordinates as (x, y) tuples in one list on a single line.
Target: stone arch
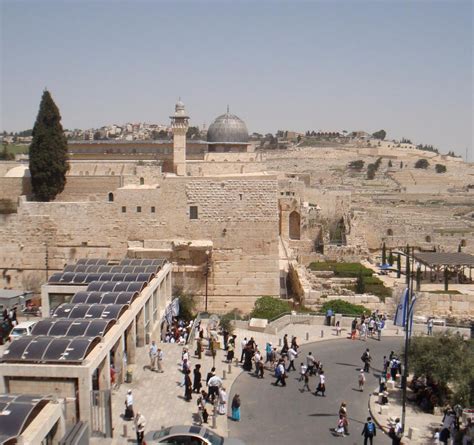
[(428, 239), (295, 225), (389, 232), (111, 197), (142, 180), (463, 243)]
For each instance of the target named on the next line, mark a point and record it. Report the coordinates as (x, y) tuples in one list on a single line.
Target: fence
[(101, 413)]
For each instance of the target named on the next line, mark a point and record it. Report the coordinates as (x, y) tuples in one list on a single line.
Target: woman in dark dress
[(197, 379), (248, 353), (187, 386)]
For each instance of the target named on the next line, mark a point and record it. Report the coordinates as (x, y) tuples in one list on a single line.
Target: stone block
[(258, 324), (413, 433)]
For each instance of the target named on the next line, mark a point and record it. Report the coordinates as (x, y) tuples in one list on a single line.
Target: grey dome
[(226, 129)]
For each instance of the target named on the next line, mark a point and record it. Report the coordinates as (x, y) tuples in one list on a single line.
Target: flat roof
[(445, 258), (13, 293)]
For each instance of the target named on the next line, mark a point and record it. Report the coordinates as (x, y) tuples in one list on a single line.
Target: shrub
[(357, 165), (348, 270), (422, 163), (187, 304), (226, 319), (269, 308), (371, 171), (343, 307), (440, 168)]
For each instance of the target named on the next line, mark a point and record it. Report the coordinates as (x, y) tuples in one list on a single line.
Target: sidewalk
[(420, 426)]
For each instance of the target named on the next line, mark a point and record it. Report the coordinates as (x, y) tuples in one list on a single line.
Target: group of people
[(138, 418), (178, 332), (368, 327), (452, 431)]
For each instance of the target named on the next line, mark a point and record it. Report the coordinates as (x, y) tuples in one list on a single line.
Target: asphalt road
[(283, 416)]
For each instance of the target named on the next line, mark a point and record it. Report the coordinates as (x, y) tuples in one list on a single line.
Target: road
[(282, 416)]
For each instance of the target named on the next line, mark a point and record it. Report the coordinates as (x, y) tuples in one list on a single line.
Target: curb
[(383, 428)]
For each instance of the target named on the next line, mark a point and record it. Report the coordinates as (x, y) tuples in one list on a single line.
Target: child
[(361, 380), (340, 427), (338, 328), (303, 370)]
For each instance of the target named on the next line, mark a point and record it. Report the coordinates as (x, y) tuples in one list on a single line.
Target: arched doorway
[(295, 231)]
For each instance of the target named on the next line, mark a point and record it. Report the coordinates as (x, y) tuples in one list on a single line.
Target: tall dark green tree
[(48, 152)]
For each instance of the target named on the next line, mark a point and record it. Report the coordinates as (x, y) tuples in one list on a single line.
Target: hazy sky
[(330, 65)]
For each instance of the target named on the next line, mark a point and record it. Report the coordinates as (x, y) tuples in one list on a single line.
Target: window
[(241, 196), (193, 212), (111, 197), (139, 209), (390, 232), (152, 210), (124, 209), (428, 239), (142, 181)]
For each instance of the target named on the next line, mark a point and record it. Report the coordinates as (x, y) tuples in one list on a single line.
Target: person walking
[(153, 353), (369, 431), (268, 352), (202, 411), (188, 386), (140, 427), (303, 369), (366, 358), (396, 432), (214, 383), (306, 382), (236, 408), (197, 385), (159, 360), (199, 348), (430, 326), (280, 374), (361, 380), (129, 415), (321, 385), (230, 351), (222, 401), (243, 344), (292, 354), (310, 362), (343, 413)]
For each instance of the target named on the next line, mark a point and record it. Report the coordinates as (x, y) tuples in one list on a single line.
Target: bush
[(187, 304), (269, 308), (440, 168), (371, 171), (226, 320), (343, 307), (345, 270), (357, 165), (422, 163)]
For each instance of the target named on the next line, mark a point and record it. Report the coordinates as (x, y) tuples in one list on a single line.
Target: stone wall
[(89, 188)]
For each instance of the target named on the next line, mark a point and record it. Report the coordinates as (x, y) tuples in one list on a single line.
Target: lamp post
[(46, 260), (206, 273)]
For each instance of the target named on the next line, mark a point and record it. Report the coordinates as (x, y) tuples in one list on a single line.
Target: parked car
[(21, 329), (188, 435)]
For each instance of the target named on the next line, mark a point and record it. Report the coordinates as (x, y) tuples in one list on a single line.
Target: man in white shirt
[(292, 354), (153, 355), (243, 344), (257, 359), (280, 373), (310, 360)]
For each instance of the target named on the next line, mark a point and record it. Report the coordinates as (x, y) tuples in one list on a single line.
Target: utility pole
[(207, 277)]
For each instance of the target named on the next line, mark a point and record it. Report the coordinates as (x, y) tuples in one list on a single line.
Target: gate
[(101, 413)]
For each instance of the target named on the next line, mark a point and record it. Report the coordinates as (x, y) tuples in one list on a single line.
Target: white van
[(22, 329)]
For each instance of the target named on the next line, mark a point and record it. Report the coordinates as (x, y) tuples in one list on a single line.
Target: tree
[(192, 133), (356, 165), (379, 134), (48, 152), (447, 361), (440, 168), (360, 285), (371, 171), (422, 163), (384, 253)]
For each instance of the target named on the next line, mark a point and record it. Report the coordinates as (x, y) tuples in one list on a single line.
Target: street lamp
[(206, 273)]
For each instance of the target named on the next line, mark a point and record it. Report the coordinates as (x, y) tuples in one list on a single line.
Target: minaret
[(179, 125)]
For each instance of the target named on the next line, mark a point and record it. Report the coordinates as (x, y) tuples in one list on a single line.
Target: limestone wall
[(88, 188), (12, 188)]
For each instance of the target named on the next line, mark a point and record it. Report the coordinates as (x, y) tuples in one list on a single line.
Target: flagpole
[(407, 339)]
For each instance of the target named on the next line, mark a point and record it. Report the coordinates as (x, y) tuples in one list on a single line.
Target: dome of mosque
[(228, 128)]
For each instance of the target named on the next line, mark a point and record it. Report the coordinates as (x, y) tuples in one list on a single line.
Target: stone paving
[(422, 424)]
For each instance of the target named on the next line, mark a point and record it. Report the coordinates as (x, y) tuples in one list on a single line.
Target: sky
[(404, 66)]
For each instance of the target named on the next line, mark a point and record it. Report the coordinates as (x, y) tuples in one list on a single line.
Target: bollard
[(229, 369), (279, 342), (223, 374), (214, 417), (322, 333), (125, 431), (307, 336)]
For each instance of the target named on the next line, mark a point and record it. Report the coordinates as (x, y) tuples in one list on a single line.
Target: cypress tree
[(48, 152)]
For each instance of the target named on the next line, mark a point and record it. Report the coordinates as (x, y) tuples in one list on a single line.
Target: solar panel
[(94, 286), (36, 348), (121, 287), (42, 327), (78, 328), (60, 327), (16, 349), (55, 278), (79, 348), (79, 277), (56, 348), (98, 328)]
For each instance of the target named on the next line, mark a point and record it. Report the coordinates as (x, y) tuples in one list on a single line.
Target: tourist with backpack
[(369, 431), (280, 374)]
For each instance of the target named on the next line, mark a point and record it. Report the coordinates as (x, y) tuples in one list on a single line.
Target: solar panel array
[(104, 297), (159, 262), (45, 349), (84, 268), (92, 261), (86, 278), (67, 327), (16, 411), (113, 286), (107, 311)]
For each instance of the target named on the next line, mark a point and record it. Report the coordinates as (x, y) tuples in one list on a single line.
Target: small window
[(193, 212), (139, 209), (390, 232), (142, 181), (241, 196), (111, 197), (124, 209), (152, 210), (428, 239)]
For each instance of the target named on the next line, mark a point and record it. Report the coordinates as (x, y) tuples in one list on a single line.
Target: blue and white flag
[(175, 307), (400, 313), (410, 315)]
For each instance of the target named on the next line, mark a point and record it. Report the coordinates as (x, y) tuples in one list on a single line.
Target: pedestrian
[(257, 358), (280, 374), (369, 431), (306, 382), (236, 408), (225, 337), (292, 354), (366, 358), (310, 362), (321, 388), (230, 352), (153, 353), (294, 343), (140, 427), (129, 415), (338, 328), (159, 360), (188, 386), (354, 328), (222, 401), (393, 368), (303, 369), (243, 344), (268, 352), (343, 413), (214, 384), (430, 326), (197, 385), (199, 348), (396, 432), (361, 380), (202, 411)]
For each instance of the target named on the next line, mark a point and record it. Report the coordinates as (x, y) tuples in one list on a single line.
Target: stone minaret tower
[(179, 124)]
